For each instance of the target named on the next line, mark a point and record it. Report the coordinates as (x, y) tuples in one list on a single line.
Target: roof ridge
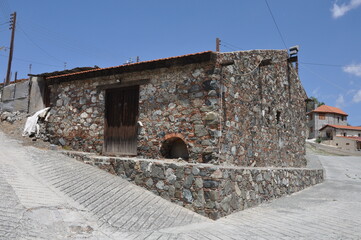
[(329, 109)]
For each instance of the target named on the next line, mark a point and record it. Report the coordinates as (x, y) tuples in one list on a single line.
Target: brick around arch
[(174, 135)]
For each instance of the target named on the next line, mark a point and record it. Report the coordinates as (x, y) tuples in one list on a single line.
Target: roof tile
[(342, 127), (329, 109)]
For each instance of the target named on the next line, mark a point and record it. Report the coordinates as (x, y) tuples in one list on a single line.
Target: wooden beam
[(123, 84)]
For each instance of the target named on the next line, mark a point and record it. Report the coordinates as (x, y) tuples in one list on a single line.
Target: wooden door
[(121, 116)]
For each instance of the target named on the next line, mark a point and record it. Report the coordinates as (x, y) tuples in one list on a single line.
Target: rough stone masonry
[(239, 108), (240, 117)]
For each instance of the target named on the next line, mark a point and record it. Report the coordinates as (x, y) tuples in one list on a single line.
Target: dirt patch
[(15, 129)]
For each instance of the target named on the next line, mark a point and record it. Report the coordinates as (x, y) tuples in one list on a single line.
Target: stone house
[(345, 143), (322, 116), (344, 137), (243, 108)]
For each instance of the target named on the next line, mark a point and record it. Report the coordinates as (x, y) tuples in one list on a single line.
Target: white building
[(323, 116)]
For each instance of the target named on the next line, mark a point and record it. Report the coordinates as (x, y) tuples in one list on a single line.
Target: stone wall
[(209, 190), (263, 110), (172, 104), (241, 108)]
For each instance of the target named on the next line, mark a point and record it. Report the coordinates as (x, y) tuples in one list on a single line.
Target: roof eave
[(140, 66)]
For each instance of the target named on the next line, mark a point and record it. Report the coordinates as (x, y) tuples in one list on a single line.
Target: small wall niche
[(174, 148)]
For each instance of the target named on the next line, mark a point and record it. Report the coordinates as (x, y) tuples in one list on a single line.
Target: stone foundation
[(212, 191)]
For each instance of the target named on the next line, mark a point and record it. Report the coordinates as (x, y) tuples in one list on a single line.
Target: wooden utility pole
[(218, 43), (12, 27)]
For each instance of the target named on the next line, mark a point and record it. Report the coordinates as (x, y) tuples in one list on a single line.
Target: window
[(310, 116), (347, 143), (311, 129), (344, 134), (278, 116), (321, 116), (336, 144), (338, 119), (359, 134)]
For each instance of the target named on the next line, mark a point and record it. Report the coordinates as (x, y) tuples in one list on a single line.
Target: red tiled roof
[(329, 109), (342, 127), (352, 138), (131, 64)]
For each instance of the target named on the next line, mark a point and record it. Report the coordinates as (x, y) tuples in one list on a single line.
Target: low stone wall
[(212, 191)]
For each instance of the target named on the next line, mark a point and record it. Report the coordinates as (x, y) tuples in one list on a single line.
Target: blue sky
[(108, 33)]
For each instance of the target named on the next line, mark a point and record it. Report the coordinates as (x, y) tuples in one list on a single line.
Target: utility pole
[(12, 27), (218, 43)]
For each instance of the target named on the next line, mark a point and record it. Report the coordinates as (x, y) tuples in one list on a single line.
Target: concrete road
[(45, 195)]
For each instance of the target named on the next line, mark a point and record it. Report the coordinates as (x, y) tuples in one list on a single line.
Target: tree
[(317, 103)]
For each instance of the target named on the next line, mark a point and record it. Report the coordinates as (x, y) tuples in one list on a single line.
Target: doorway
[(121, 116)]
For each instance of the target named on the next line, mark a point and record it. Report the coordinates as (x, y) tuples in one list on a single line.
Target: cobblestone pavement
[(45, 195)]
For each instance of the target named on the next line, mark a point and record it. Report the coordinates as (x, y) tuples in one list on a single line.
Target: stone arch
[(174, 146)]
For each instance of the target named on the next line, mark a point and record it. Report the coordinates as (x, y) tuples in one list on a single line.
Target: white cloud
[(340, 10), (357, 97), (340, 101), (354, 69)]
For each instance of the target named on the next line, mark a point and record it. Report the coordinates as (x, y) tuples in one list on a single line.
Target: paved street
[(45, 195)]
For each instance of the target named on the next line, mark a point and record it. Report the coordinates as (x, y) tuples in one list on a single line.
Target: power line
[(324, 79), (71, 44), (31, 61), (323, 64), (4, 8), (39, 46), (231, 48), (274, 20), (232, 45)]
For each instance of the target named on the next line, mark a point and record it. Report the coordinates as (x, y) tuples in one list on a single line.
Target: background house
[(344, 137), (322, 116)]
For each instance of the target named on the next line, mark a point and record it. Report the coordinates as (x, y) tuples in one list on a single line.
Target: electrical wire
[(323, 79), (31, 61), (4, 8), (35, 44), (231, 45), (233, 49), (251, 71), (70, 44), (323, 64), (274, 20)]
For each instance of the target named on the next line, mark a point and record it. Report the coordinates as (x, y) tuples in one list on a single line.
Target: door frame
[(119, 85)]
